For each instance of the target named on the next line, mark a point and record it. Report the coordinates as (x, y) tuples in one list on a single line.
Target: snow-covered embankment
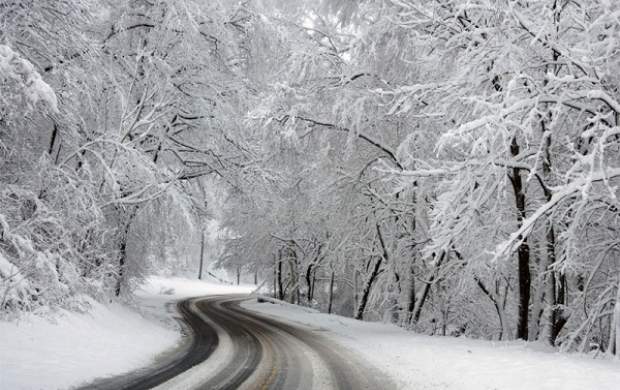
[(422, 362)]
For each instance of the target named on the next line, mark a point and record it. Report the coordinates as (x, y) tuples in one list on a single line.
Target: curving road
[(255, 352)]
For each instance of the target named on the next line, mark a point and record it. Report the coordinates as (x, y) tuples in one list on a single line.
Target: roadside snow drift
[(77, 347)]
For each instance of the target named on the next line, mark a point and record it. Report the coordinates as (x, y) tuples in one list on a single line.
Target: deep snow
[(446, 363)]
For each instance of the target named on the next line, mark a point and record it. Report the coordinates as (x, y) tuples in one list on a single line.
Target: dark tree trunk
[(275, 277), (355, 289), (331, 293), (50, 150), (311, 274), (557, 281), (496, 303), (122, 249), (58, 154), (122, 258), (279, 276), (411, 297), (313, 283), (121, 265), (202, 253), (367, 287), (426, 289), (309, 283), (295, 278), (523, 252), (418, 310), (371, 279), (558, 317)]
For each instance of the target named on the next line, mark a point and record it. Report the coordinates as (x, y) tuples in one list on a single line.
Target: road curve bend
[(255, 352)]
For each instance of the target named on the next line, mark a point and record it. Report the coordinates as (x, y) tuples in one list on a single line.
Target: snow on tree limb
[(558, 195), (22, 72)]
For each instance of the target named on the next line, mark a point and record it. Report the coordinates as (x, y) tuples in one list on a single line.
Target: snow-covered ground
[(423, 362), (42, 353), (64, 349), (36, 353), (160, 287)]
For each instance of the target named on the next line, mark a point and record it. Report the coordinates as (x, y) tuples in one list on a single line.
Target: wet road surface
[(255, 352)]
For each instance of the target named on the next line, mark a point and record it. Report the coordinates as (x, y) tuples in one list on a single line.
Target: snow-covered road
[(256, 352)]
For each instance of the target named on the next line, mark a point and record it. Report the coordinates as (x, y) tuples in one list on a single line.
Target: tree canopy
[(451, 166)]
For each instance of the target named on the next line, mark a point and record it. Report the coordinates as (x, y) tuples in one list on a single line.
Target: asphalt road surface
[(255, 352)]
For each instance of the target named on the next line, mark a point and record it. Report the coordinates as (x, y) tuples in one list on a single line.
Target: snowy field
[(447, 363), (66, 349)]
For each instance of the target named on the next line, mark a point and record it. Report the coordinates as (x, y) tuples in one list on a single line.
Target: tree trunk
[(556, 286), (279, 276), (275, 276), (371, 279), (523, 252), (295, 276), (331, 293), (313, 283), (311, 273), (615, 326), (366, 291), (410, 297), (498, 308), (557, 282), (308, 277), (202, 253), (355, 289), (121, 265), (556, 317), (122, 259), (417, 311), (50, 149), (122, 252)]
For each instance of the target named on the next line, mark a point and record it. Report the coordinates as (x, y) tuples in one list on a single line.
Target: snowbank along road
[(234, 348)]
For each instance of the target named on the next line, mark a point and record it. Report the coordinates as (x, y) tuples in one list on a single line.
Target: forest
[(449, 166)]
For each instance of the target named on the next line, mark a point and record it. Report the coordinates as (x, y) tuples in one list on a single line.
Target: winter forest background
[(451, 166)]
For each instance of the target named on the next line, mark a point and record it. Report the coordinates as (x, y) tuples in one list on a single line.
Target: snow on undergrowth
[(424, 362)]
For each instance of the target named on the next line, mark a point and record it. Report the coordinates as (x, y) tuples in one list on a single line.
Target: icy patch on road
[(422, 362), (38, 353)]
